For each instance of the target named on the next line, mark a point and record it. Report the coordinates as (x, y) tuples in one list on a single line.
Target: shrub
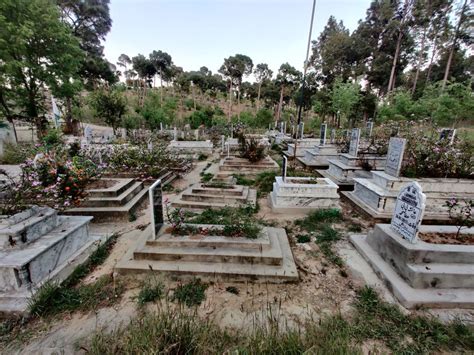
[(251, 149), (150, 291), (191, 294)]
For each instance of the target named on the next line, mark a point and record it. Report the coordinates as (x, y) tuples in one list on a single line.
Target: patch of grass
[(206, 177), (184, 332), (53, 297), (318, 217), (264, 182), (355, 228), (202, 157), (191, 294), (304, 238), (225, 216), (151, 290), (243, 180), (326, 237)]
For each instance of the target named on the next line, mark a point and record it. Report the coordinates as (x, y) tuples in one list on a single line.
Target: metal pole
[(305, 68)]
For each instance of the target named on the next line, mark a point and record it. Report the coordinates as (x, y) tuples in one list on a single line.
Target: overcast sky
[(203, 32)]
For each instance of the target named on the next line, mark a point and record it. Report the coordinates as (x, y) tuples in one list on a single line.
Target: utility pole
[(303, 84)]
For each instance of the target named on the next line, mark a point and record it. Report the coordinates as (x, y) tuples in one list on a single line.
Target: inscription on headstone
[(409, 211), (156, 207), (322, 134), (354, 143), (396, 148), (284, 168)]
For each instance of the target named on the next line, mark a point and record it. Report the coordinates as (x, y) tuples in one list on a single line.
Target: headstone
[(333, 136), (175, 134), (196, 133), (292, 130), (396, 148), (284, 125), (228, 149), (161, 126), (150, 146), (408, 211), (302, 130), (369, 128), (322, 134), (124, 133), (284, 167), (231, 131), (156, 207), (223, 142), (88, 133), (354, 143), (447, 133)]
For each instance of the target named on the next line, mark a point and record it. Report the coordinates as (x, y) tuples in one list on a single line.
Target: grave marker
[(284, 167), (88, 133), (322, 134), (156, 207), (354, 143), (302, 130), (222, 142), (447, 133), (175, 134), (161, 126), (369, 128), (396, 149), (408, 211), (333, 136), (228, 149), (124, 133), (150, 146)]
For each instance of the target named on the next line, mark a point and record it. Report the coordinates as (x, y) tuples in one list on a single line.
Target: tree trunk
[(430, 66), (229, 115), (391, 83), (258, 96), (453, 46), (420, 59)]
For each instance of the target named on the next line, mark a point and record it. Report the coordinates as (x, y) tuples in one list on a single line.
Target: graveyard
[(147, 206)]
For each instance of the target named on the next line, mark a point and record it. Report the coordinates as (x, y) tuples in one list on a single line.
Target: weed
[(304, 238), (191, 293), (325, 239), (206, 177), (150, 291), (132, 217), (202, 156), (264, 182), (355, 228), (243, 180), (316, 218)]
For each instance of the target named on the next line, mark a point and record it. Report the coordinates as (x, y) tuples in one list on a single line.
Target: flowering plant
[(461, 213)]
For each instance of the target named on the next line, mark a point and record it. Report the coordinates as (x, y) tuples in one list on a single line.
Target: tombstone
[(396, 149), (369, 128), (408, 211), (284, 130), (354, 144), (333, 135), (447, 133), (156, 207), (161, 126), (322, 134), (284, 167), (281, 128), (88, 133), (124, 133), (196, 134), (302, 129), (231, 131), (150, 146), (175, 134), (228, 149), (223, 142)]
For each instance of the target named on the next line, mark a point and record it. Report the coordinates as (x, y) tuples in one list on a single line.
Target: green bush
[(191, 294), (17, 153), (151, 290)]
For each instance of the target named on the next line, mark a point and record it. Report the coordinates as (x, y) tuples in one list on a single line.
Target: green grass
[(206, 177), (53, 297), (191, 294), (304, 238), (225, 216), (151, 291), (318, 217), (184, 332), (263, 182), (326, 237)]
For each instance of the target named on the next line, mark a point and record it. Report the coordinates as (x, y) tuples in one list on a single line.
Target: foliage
[(110, 105), (52, 137), (326, 237), (345, 97), (17, 153), (191, 294), (319, 217), (251, 149), (32, 35), (151, 290), (304, 238), (461, 213), (374, 321)]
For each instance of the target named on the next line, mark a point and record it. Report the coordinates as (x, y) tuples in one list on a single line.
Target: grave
[(267, 258), (112, 199), (343, 170), (420, 274), (37, 245), (303, 145), (376, 196), (319, 155), (191, 147), (235, 165)]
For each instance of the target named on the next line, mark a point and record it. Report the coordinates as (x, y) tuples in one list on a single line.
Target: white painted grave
[(396, 149)]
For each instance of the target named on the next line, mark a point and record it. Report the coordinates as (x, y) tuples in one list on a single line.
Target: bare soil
[(447, 238)]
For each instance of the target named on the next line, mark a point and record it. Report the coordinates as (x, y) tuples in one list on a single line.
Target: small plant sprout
[(460, 211)]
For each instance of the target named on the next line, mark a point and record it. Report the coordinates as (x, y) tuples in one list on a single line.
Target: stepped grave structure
[(419, 273), (215, 194), (191, 147), (111, 199), (303, 145), (236, 165), (318, 156), (37, 245), (200, 253), (376, 196)]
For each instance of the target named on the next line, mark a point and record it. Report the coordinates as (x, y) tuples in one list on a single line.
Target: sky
[(200, 33)]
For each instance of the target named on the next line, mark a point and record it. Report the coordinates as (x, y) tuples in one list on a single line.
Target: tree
[(287, 79), (124, 61), (162, 62), (463, 31), (37, 53), (89, 21), (109, 105), (345, 97), (262, 73), (144, 68), (234, 68)]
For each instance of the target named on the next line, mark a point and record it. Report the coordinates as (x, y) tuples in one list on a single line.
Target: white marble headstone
[(396, 149), (354, 143), (284, 167), (88, 133), (408, 211), (302, 129), (333, 135), (175, 134)]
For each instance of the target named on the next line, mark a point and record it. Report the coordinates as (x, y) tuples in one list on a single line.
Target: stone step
[(37, 260), (26, 227), (116, 201), (213, 198), (111, 213), (438, 275), (226, 271), (198, 206), (113, 191), (167, 178), (203, 190)]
